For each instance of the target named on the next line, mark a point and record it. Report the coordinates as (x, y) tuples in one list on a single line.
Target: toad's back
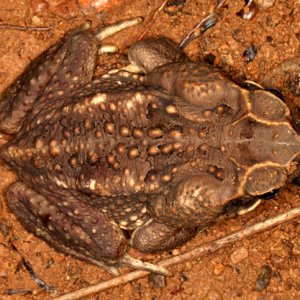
[(116, 137), (127, 140)]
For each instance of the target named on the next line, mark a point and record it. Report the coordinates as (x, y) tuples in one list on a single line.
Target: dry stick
[(23, 28), (205, 248), (153, 19), (196, 31)]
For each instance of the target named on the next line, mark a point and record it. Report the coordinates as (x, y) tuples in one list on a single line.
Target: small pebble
[(210, 59), (175, 6), (50, 262), (250, 53), (188, 266), (297, 285), (157, 281), (230, 60), (3, 274), (266, 3), (264, 278), (239, 255), (249, 11), (4, 252), (277, 261), (278, 276), (296, 247), (67, 9), (213, 295), (293, 83), (38, 6), (219, 269), (278, 248), (37, 21), (5, 229), (288, 284), (175, 252)]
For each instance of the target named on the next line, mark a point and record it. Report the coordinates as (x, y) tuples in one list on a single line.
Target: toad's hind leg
[(74, 227), (54, 75), (57, 71)]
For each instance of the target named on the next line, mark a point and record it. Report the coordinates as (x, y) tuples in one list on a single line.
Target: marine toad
[(157, 156)]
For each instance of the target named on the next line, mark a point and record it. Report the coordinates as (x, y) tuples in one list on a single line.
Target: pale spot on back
[(99, 98)]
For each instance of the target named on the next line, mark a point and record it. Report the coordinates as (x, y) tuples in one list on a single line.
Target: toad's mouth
[(242, 206)]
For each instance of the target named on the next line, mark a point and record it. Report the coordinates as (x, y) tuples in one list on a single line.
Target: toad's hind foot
[(71, 226), (156, 236)]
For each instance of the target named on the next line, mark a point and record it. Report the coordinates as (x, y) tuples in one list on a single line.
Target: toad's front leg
[(74, 227)]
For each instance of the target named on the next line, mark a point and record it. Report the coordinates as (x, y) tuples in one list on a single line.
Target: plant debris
[(249, 11), (207, 23), (23, 292), (24, 28), (264, 278), (250, 53)]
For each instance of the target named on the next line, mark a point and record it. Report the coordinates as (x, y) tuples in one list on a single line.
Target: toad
[(143, 161)]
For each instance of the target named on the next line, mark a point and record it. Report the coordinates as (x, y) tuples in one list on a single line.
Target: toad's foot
[(156, 236)]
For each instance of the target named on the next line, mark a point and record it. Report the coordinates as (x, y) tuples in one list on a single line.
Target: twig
[(250, 13), (153, 19), (31, 272), (22, 292), (40, 282), (205, 248), (24, 28), (208, 22)]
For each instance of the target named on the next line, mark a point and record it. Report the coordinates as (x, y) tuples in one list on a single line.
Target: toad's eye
[(268, 106), (264, 179)]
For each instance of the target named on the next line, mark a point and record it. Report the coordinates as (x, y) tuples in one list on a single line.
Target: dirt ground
[(234, 272)]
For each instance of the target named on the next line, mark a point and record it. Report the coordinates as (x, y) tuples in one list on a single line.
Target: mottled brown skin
[(160, 155)]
